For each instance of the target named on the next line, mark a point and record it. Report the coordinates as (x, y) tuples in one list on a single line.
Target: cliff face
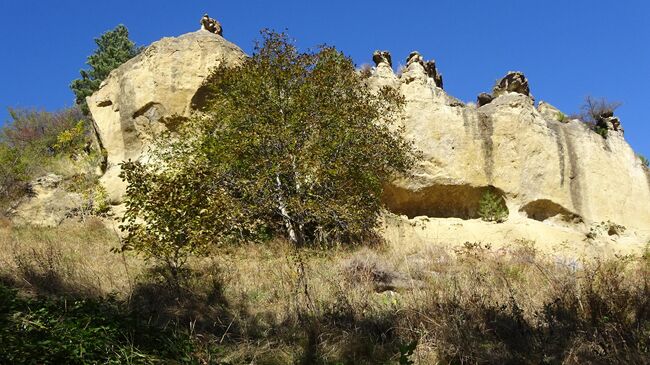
[(547, 169), (544, 168), (161, 82)]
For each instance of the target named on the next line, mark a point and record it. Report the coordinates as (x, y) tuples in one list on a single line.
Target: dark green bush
[(492, 208), (48, 331)]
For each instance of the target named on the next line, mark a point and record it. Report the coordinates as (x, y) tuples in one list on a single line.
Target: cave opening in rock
[(543, 209), (439, 201)]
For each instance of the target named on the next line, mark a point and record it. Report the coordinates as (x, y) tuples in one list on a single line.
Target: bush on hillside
[(289, 144), (88, 331), (593, 110), (32, 141)]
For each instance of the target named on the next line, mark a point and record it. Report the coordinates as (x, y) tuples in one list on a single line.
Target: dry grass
[(272, 304), (73, 259)]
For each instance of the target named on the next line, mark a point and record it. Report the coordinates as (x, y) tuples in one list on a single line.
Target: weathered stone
[(47, 204), (432, 71), (380, 57), (429, 67), (160, 82), (611, 123), (542, 169), (484, 98), (549, 112), (514, 81), (413, 57), (211, 25)]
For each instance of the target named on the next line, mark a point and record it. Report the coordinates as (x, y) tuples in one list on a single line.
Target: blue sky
[(567, 49)]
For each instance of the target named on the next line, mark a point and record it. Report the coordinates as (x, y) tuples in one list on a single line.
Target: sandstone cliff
[(551, 172), (545, 168), (133, 102)]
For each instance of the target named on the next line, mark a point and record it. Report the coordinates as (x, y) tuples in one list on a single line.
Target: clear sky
[(567, 48)]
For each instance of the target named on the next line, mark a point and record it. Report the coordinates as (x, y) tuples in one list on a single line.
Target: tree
[(492, 208), (113, 49), (290, 144)]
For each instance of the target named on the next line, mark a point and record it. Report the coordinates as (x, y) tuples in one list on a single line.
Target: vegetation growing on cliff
[(113, 49), (289, 144)]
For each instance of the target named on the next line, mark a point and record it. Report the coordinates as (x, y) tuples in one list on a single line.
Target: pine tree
[(113, 49)]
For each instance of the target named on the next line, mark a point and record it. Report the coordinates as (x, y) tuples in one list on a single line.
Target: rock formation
[(428, 66), (549, 169), (162, 81), (484, 98), (47, 204), (382, 57), (211, 25), (514, 82), (544, 168)]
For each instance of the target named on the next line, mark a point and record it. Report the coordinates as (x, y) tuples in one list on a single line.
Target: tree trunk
[(284, 211)]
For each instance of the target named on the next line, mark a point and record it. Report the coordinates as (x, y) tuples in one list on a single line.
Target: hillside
[(520, 236)]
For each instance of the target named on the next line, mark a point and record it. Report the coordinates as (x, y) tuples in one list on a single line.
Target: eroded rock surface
[(548, 167), (135, 99), (47, 203)]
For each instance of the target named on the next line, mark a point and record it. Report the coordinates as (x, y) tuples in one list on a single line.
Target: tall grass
[(273, 304)]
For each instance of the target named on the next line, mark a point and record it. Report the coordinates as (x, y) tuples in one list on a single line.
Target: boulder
[(132, 104), (483, 99), (514, 82), (47, 203), (380, 57)]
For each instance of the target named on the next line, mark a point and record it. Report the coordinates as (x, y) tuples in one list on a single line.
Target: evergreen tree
[(113, 49)]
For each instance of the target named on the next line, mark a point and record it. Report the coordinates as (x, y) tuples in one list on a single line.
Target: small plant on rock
[(492, 208), (644, 161)]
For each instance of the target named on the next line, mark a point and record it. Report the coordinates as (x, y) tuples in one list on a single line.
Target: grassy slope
[(251, 304)]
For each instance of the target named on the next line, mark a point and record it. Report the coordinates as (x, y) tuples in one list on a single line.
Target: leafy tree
[(290, 144), (113, 49)]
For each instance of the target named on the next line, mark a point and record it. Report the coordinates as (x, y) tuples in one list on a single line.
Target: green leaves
[(492, 207), (113, 49), (288, 144)]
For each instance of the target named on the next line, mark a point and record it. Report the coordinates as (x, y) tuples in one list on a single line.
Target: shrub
[(492, 208), (46, 331), (594, 110), (644, 161), (31, 142), (289, 144)]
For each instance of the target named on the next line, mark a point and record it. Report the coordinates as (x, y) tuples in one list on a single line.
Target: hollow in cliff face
[(438, 201), (543, 209)]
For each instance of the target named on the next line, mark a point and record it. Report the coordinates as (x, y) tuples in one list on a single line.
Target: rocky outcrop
[(513, 82), (483, 99), (47, 203), (549, 112), (380, 57), (133, 103), (549, 169), (544, 165), (429, 67)]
